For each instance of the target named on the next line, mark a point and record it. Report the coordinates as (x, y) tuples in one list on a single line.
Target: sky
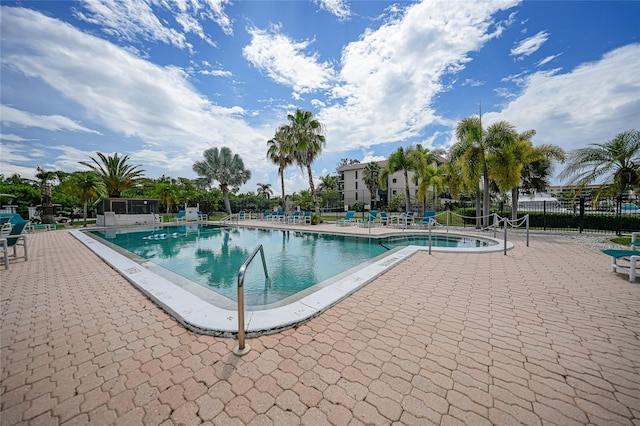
[(161, 81)]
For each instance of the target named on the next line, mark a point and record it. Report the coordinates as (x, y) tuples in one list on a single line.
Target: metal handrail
[(243, 349)]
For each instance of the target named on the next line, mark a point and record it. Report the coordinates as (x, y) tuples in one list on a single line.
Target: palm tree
[(279, 153), (509, 165), (115, 173), (45, 177), (264, 190), (371, 178), (428, 175), (224, 167), (167, 192), (401, 160), (88, 186), (328, 183), (471, 149), (616, 161), (308, 140)]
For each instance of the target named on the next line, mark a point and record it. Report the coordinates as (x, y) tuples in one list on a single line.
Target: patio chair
[(383, 218), (429, 217), (370, 220), (266, 215), (630, 256), (404, 220), (5, 224), (180, 218), (348, 219), (203, 216), (14, 239), (306, 217), (278, 215), (293, 216)]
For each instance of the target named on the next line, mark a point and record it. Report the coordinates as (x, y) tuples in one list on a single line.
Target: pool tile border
[(203, 317)]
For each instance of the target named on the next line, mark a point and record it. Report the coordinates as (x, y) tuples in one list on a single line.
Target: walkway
[(544, 335)]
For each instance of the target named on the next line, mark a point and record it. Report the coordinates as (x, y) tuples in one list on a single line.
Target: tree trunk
[(514, 203), (282, 183), (313, 191), (478, 208), (485, 201), (84, 214), (225, 195)]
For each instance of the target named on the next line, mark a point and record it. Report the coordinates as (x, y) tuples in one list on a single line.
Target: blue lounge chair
[(278, 215), (203, 216), (383, 218), (13, 239), (348, 219), (405, 220), (306, 218), (179, 218), (370, 220), (266, 215), (630, 256), (293, 216), (429, 217)]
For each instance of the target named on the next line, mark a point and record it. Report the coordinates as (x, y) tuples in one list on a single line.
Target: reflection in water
[(212, 256)]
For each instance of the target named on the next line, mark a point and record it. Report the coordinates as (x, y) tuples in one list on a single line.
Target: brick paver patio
[(544, 335)]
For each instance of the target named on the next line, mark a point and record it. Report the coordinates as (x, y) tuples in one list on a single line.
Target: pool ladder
[(243, 349)]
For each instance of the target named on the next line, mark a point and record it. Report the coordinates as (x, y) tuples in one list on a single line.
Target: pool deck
[(546, 334)]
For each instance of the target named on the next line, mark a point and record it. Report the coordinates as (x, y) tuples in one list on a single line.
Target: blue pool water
[(211, 255)]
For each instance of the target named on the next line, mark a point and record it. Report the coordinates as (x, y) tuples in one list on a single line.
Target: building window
[(356, 196), (356, 185), (394, 180), (356, 174), (393, 192)]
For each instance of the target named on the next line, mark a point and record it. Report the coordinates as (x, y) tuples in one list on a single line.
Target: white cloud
[(339, 8), (591, 104), (125, 94), (547, 60), (284, 60), (11, 116), (530, 45), (128, 20), (391, 76)]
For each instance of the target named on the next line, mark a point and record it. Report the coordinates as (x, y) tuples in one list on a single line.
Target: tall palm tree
[(279, 152), (428, 176), (115, 173), (264, 190), (401, 160), (371, 178), (471, 151), (308, 140), (513, 167), (226, 168), (616, 161), (88, 186)]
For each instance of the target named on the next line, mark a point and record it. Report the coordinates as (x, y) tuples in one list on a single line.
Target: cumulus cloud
[(11, 116), (286, 62), (127, 95), (128, 20), (339, 8), (590, 104), (391, 76), (530, 45)]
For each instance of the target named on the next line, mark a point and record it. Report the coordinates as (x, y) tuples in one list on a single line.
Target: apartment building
[(353, 189)]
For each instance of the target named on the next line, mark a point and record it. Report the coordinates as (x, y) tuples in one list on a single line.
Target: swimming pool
[(309, 271)]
